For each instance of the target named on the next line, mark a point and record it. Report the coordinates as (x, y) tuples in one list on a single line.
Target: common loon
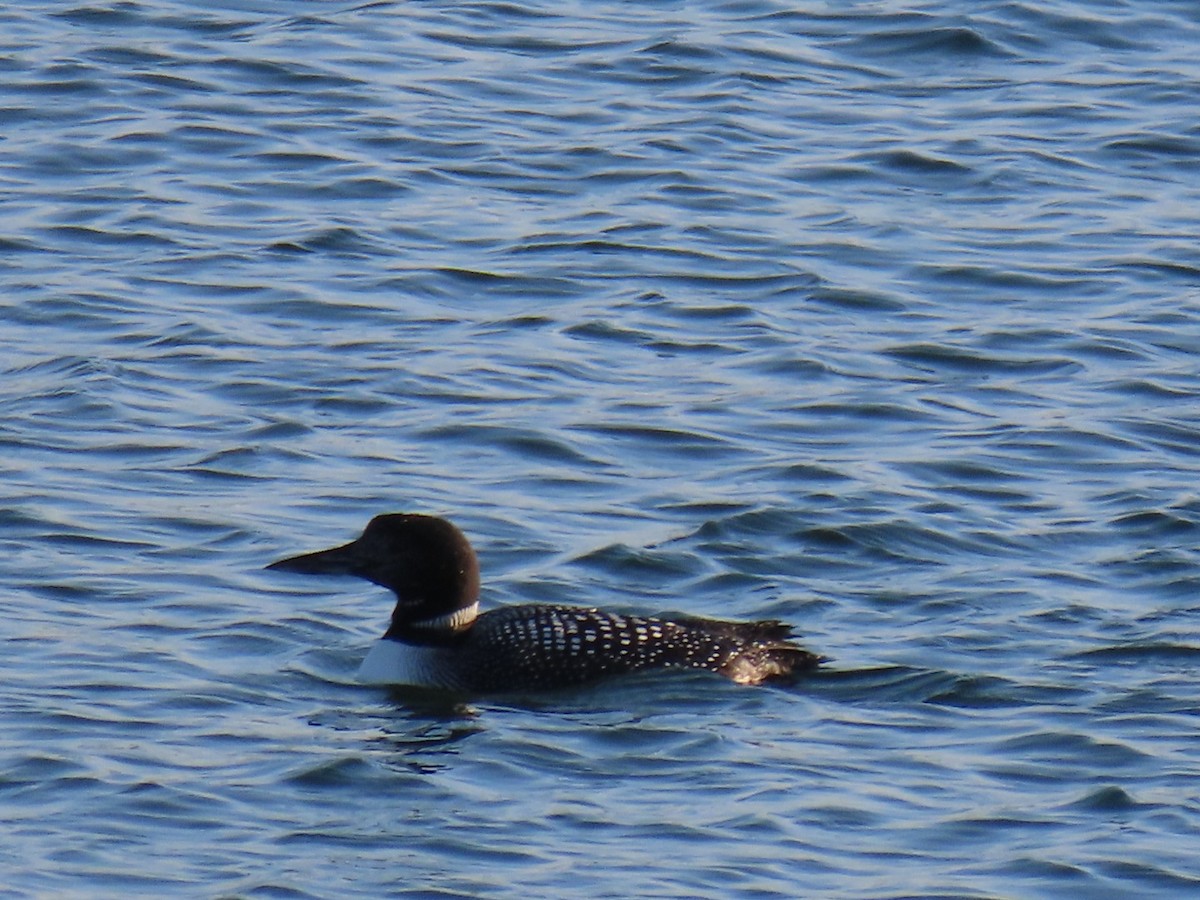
[(438, 638)]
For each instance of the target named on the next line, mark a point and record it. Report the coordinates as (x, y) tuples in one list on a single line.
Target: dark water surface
[(880, 318)]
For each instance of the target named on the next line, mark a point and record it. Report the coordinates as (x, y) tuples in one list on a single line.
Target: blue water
[(879, 318)]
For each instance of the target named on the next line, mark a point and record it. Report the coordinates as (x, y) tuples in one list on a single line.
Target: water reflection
[(421, 728)]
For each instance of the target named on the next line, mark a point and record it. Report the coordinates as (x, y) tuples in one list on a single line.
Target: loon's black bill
[(336, 561)]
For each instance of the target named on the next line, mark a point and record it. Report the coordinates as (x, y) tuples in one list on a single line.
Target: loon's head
[(424, 560)]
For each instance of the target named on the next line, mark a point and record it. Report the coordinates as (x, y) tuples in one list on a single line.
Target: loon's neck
[(444, 630)]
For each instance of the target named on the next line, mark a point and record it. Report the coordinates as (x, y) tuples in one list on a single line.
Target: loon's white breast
[(394, 662)]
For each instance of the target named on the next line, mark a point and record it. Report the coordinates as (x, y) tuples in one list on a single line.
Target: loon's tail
[(757, 664), (765, 651)]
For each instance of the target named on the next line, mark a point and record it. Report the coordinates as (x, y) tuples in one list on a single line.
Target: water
[(883, 319)]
